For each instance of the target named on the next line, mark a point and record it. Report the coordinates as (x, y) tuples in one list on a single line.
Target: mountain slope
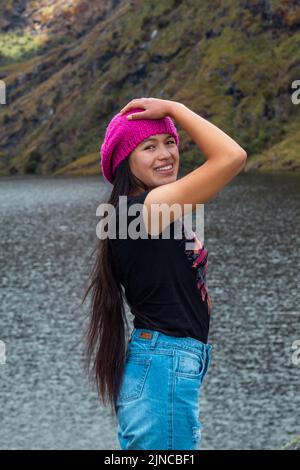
[(70, 66)]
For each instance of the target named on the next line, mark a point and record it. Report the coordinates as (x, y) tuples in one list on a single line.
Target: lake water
[(250, 399)]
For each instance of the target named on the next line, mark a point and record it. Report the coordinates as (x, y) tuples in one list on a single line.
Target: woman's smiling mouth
[(164, 168)]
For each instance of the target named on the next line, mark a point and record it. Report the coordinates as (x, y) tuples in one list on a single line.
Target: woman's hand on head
[(154, 108)]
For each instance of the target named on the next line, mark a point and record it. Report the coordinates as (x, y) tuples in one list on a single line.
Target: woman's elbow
[(242, 158)]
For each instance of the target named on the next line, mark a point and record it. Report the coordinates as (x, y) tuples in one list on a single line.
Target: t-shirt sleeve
[(138, 199), (131, 200), (176, 227)]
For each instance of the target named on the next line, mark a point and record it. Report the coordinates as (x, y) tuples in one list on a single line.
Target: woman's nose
[(166, 152)]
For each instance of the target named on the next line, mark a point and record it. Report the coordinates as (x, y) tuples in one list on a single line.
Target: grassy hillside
[(70, 66)]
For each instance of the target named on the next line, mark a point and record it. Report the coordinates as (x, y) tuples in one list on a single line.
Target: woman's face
[(159, 150)]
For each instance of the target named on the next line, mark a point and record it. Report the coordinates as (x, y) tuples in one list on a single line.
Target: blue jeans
[(158, 404)]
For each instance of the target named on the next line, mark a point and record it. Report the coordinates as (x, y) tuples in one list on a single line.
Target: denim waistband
[(153, 338)]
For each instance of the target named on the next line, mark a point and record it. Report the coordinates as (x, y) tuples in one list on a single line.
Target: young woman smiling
[(153, 382)]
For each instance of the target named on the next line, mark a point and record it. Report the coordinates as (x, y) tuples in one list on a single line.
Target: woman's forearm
[(211, 140)]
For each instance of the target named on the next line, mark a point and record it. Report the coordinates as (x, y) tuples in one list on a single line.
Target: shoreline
[(249, 170)]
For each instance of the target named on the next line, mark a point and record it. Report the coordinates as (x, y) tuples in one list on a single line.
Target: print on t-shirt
[(198, 257)]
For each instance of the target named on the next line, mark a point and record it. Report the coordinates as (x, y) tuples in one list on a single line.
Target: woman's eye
[(149, 146)]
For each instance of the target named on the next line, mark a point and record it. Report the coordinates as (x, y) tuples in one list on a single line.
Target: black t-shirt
[(164, 283)]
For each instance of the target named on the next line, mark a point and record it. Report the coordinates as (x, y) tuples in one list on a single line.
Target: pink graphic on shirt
[(198, 258)]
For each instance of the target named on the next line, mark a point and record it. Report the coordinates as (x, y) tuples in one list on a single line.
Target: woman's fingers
[(136, 116), (136, 103), (128, 105)]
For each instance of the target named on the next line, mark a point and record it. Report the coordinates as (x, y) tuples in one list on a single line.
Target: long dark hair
[(105, 337)]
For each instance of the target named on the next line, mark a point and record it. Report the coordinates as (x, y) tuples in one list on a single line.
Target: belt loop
[(154, 339)]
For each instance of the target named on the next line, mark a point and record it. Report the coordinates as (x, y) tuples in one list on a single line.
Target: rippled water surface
[(250, 399)]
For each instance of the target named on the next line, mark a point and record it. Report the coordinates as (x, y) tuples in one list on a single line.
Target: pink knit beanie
[(123, 135)]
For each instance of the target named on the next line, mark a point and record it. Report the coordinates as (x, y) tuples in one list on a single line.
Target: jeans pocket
[(134, 377), (190, 365)]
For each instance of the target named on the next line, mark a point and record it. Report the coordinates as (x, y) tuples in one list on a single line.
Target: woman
[(153, 382)]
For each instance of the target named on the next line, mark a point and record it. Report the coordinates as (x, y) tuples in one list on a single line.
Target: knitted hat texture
[(123, 135)]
